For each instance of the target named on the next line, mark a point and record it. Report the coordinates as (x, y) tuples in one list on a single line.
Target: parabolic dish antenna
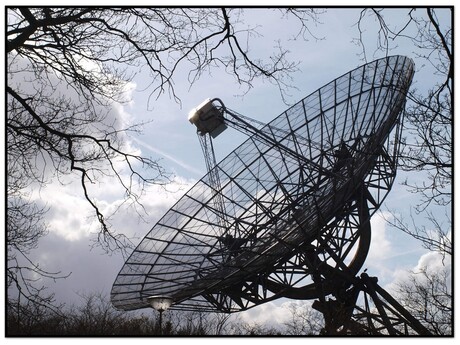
[(289, 207)]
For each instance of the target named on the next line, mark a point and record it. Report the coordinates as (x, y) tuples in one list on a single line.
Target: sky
[(68, 246)]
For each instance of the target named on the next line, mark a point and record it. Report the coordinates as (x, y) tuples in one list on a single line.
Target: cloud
[(380, 245), (380, 250), (90, 270), (432, 262), (71, 216), (272, 314), (68, 213), (435, 262), (68, 246)]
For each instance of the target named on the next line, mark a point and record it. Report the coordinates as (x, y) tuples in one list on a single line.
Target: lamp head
[(160, 303)]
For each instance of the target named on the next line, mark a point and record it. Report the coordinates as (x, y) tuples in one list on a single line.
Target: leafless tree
[(304, 320), (96, 316), (189, 322), (32, 319), (242, 328), (24, 229), (197, 322), (428, 295), (68, 68), (220, 322)]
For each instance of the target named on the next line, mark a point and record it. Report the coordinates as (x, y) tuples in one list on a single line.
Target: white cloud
[(432, 262), (71, 216), (271, 314), (68, 214), (90, 270), (379, 236), (381, 248), (68, 246)]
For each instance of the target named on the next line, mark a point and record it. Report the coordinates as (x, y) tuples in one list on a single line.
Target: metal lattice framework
[(292, 206), (365, 308)]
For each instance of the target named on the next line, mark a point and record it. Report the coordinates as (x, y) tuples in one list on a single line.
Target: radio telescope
[(287, 213)]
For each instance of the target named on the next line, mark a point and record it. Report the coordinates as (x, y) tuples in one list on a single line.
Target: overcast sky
[(172, 138)]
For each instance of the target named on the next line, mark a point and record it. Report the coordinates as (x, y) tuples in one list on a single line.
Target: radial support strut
[(214, 178)]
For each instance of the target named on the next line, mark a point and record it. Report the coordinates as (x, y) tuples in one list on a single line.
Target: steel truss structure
[(287, 213), (365, 308)]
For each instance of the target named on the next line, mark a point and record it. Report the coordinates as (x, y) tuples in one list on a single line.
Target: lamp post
[(160, 303)]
